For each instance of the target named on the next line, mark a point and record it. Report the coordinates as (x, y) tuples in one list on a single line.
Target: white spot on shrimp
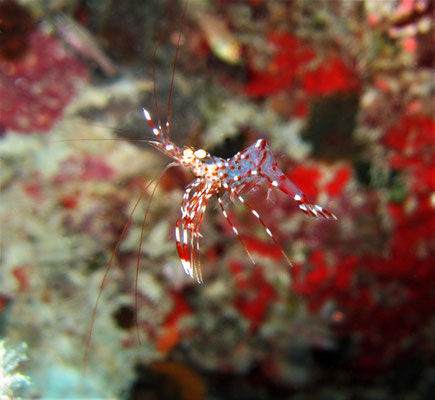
[(258, 144), (297, 197), (177, 235), (235, 230), (268, 232), (170, 147), (254, 172), (146, 115), (318, 207), (185, 236), (186, 266), (256, 213), (303, 207), (241, 199), (275, 183), (156, 132)]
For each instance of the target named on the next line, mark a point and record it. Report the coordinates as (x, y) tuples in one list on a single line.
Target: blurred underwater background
[(342, 90)]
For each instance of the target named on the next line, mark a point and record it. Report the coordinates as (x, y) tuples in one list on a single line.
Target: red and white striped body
[(251, 167)]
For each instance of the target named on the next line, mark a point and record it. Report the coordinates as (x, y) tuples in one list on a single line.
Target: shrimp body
[(249, 168)]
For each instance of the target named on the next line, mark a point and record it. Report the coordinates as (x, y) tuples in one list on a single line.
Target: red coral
[(411, 144), (411, 135), (325, 280), (413, 233), (317, 278), (283, 67), (393, 322), (254, 302), (171, 335), (181, 308), (329, 78), (385, 300), (307, 178), (35, 89), (270, 250), (338, 183)]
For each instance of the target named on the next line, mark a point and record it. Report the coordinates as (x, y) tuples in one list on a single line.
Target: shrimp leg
[(234, 228), (259, 163)]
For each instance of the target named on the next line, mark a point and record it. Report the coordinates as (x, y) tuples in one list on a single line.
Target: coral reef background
[(343, 93)]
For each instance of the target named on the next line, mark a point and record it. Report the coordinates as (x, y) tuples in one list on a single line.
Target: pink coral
[(35, 89)]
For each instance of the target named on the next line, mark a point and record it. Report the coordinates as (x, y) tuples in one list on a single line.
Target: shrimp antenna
[(136, 304), (109, 266), (165, 130), (155, 89), (171, 88)]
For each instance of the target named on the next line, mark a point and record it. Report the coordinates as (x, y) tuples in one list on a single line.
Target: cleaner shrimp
[(251, 167), (214, 176)]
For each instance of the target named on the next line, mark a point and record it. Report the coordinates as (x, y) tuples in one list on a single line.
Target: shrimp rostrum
[(253, 166)]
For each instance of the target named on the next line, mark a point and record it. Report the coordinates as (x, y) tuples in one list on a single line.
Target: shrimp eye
[(200, 153)]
